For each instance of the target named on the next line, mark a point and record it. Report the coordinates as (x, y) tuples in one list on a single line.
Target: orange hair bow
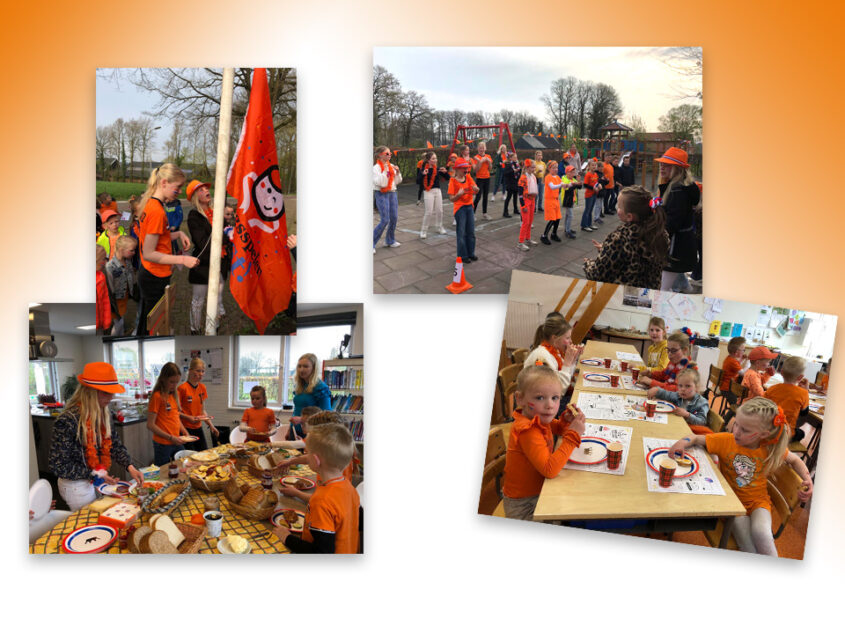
[(779, 421)]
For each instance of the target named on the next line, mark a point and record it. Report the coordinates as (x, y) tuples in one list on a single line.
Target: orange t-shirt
[(791, 398), (551, 208), (531, 457), (484, 169), (192, 398), (607, 169), (154, 221), (466, 198), (167, 416), (755, 382), (742, 467), (262, 420), (590, 179), (334, 509), (730, 370)]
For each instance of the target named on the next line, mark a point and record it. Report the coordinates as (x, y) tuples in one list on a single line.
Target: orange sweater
[(730, 370), (531, 457)]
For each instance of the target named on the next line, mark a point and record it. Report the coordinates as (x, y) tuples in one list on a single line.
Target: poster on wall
[(213, 358)]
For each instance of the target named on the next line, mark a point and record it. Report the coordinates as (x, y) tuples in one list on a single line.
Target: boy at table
[(792, 395), (677, 347), (332, 513), (760, 371), (320, 417), (689, 403), (732, 367)]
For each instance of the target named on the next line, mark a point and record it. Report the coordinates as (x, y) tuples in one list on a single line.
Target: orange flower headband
[(779, 421)]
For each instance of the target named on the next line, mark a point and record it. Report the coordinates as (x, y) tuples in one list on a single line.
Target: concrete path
[(426, 266)]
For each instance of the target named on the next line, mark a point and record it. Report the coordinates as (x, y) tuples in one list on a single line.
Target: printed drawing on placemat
[(702, 481), (592, 454)]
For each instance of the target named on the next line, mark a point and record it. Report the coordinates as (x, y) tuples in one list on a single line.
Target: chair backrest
[(738, 390), (508, 374), (237, 436), (714, 421), (281, 433), (784, 484), (520, 355), (496, 444), (491, 486), (509, 398), (715, 378)]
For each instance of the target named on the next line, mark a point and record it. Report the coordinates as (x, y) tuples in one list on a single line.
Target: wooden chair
[(520, 355), (509, 400), (494, 469), (784, 485), (739, 393), (711, 390), (714, 421), (508, 374)]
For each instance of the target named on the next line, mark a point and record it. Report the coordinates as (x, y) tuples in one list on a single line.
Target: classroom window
[(138, 364), (43, 380), (323, 341)]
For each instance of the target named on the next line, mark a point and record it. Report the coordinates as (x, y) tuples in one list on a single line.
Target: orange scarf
[(428, 179), (97, 460), (555, 353), (389, 187)]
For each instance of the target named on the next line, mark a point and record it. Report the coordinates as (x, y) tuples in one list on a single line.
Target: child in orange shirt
[(792, 395), (760, 371), (104, 298), (531, 456), (111, 231), (552, 184), (756, 447), (192, 397), (591, 190), (461, 190), (527, 186), (732, 367), (259, 421), (332, 514), (481, 164), (164, 416)]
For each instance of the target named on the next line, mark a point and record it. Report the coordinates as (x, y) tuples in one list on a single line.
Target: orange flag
[(428, 145), (261, 269)]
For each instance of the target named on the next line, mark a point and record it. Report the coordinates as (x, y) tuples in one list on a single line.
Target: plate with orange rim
[(303, 484)]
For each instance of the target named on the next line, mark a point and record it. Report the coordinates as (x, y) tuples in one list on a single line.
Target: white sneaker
[(374, 251), (454, 222), (394, 245), (485, 216), (492, 196), (594, 227), (419, 202), (441, 229), (422, 235), (533, 241), (522, 246)]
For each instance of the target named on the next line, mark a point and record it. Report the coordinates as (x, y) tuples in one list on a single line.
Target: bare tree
[(173, 145), (605, 107), (686, 62), (683, 122), (100, 143), (583, 96), (560, 103), (387, 93), (146, 130), (414, 106)]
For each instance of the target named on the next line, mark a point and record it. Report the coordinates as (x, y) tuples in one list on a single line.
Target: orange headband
[(779, 421)]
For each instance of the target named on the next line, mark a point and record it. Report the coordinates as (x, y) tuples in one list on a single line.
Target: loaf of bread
[(254, 497), (158, 543), (135, 538), (164, 523), (233, 492)]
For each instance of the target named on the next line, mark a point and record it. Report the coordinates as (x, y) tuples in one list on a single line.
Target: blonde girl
[(481, 166), (192, 397), (657, 357), (154, 239), (164, 416), (310, 388), (83, 448), (553, 347), (755, 448), (428, 178), (531, 457), (386, 178), (679, 196)]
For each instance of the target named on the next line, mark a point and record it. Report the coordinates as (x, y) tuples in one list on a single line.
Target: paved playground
[(427, 266)]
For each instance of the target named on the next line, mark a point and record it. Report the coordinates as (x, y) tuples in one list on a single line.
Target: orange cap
[(193, 186)]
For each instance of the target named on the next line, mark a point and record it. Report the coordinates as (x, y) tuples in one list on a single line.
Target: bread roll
[(135, 538)]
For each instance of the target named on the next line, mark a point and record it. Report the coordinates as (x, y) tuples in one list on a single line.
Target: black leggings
[(483, 192), (152, 289), (553, 225), (512, 194)]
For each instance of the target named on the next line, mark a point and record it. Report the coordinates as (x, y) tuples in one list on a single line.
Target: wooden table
[(583, 495), (257, 532), (602, 350)]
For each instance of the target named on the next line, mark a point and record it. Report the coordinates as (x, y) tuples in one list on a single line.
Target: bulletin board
[(213, 358)]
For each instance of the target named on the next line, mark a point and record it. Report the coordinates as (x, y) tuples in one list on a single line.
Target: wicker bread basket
[(260, 512), (212, 486)]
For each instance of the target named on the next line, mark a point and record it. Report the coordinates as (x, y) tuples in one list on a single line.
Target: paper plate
[(89, 539), (292, 480), (118, 490), (598, 378), (656, 455), (597, 448), (278, 519), (40, 499), (594, 362)]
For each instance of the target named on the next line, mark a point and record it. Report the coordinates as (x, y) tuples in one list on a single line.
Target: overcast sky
[(492, 79)]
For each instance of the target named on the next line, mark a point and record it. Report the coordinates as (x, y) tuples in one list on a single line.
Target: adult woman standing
[(679, 196), (199, 226), (553, 347), (310, 390), (83, 446), (386, 177), (154, 239), (481, 164)]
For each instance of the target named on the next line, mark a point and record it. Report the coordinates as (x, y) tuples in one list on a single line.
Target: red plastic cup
[(667, 472), (650, 408), (607, 363), (614, 455), (614, 380), (635, 374), (623, 365)]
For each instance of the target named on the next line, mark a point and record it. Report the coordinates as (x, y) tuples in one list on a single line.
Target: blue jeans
[(587, 215), (567, 223), (500, 175), (465, 232), (541, 190), (388, 210), (601, 205), (163, 454)]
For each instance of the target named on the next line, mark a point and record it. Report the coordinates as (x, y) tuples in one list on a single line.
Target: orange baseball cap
[(106, 214), (100, 376), (528, 163), (674, 156), (193, 186), (761, 352), (461, 164)]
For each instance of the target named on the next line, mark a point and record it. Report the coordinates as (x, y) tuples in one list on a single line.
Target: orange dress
[(551, 210)]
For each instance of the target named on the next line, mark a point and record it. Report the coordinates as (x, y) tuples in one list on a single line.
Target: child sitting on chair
[(531, 457), (760, 371), (657, 357), (689, 403), (732, 367), (677, 347), (792, 395)]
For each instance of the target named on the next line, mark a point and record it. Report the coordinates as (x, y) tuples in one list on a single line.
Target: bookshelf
[(345, 378)]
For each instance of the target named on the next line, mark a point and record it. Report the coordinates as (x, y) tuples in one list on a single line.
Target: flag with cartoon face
[(261, 269)]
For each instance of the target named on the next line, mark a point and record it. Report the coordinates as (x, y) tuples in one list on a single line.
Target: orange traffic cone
[(459, 283)]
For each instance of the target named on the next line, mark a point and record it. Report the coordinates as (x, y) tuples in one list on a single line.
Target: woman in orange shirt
[(591, 187), (154, 239), (164, 416), (481, 164)]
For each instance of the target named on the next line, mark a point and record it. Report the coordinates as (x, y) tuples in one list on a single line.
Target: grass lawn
[(121, 191)]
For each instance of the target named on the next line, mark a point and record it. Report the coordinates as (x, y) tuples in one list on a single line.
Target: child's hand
[(292, 241), (578, 423), (644, 380), (214, 431), (183, 240), (281, 532), (652, 392), (474, 189), (806, 490), (677, 449), (190, 261), (288, 491), (680, 411), (461, 191), (596, 244), (804, 382)]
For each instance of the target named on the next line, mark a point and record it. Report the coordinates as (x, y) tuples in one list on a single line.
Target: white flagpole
[(221, 169)]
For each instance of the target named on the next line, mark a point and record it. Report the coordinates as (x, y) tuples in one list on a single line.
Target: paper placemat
[(629, 356), (609, 433), (603, 406), (633, 403), (704, 482)]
